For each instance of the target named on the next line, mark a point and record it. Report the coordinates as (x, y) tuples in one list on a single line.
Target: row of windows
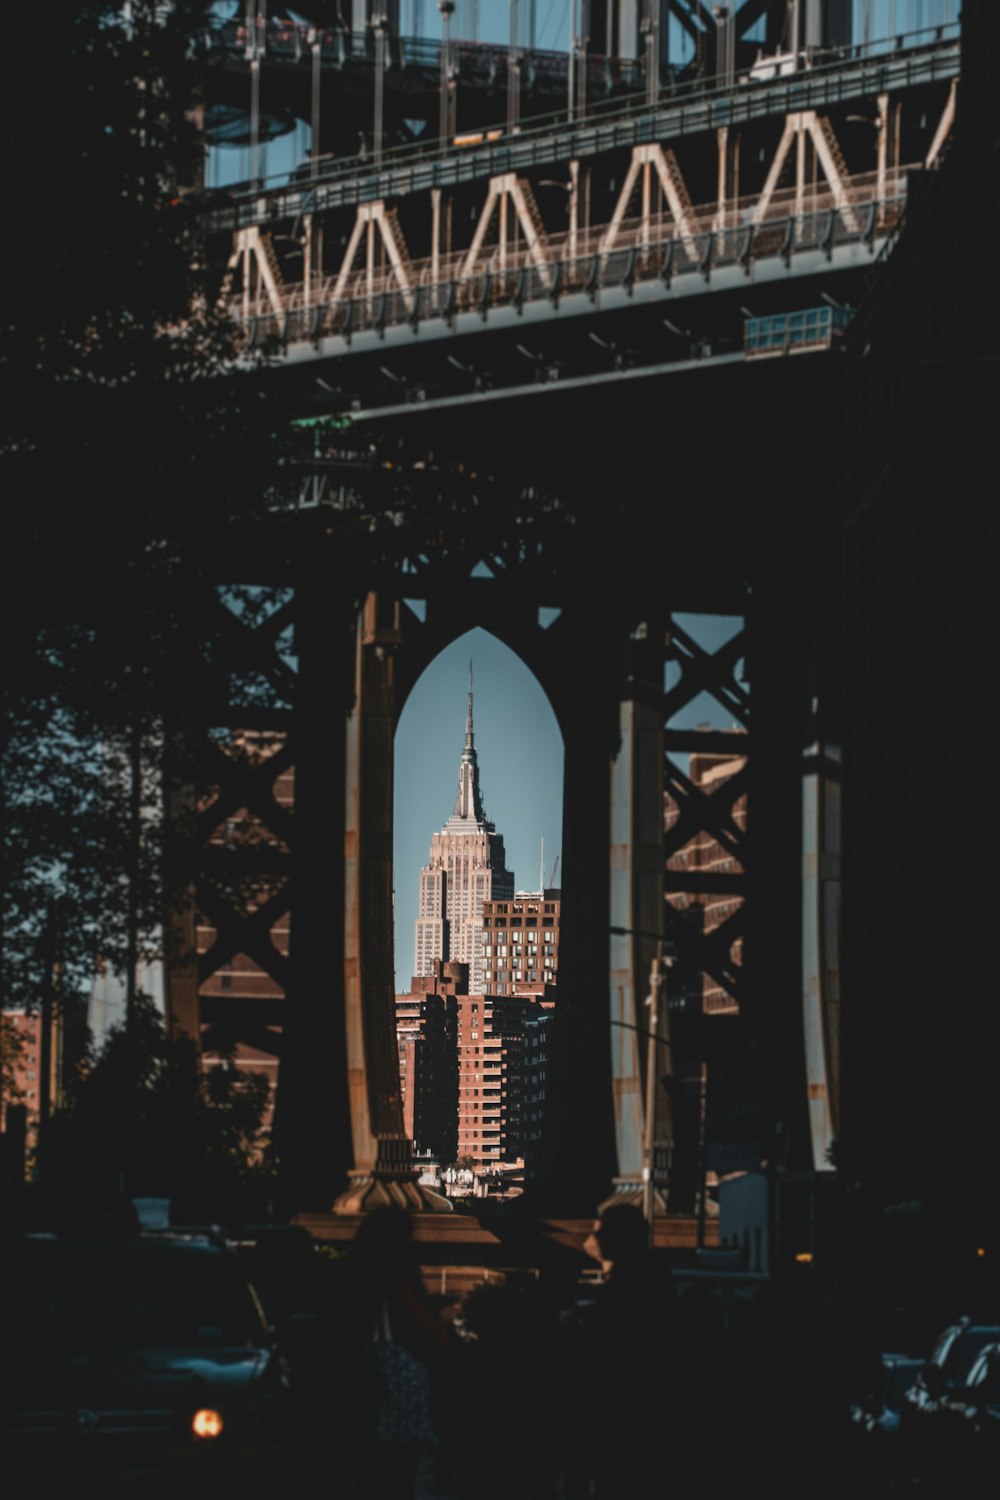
[(518, 909), (518, 949), (523, 975)]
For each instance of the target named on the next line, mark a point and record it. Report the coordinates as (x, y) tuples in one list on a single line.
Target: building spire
[(469, 803), (468, 717)]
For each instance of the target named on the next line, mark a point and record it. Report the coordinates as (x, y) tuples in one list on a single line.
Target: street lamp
[(657, 980), (657, 984)]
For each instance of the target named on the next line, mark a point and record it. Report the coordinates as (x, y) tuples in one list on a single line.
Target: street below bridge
[(654, 1373), (597, 1371), (773, 1404)]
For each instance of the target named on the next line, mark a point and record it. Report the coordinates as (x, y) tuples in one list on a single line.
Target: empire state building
[(467, 866)]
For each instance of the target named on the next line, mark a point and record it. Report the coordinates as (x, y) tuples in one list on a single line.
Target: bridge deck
[(687, 112)]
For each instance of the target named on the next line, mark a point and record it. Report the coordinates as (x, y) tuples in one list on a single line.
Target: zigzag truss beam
[(510, 194), (801, 127), (649, 161), (377, 260)]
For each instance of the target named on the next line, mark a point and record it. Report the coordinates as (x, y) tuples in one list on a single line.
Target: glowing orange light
[(804, 1257), (980, 1251), (206, 1423)]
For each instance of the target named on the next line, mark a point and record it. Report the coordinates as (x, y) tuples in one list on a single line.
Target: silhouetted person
[(392, 1337), (631, 1401)]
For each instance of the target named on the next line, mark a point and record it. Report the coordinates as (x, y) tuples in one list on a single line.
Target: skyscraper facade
[(467, 866)]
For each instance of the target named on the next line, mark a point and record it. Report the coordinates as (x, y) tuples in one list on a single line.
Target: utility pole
[(657, 979), (51, 1037), (702, 1151), (133, 907)]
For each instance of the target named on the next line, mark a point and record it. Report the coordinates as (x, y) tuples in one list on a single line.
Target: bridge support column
[(579, 1139), (639, 1038), (312, 1126), (779, 647), (383, 1172)]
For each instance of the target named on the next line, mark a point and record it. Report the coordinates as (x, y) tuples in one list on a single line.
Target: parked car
[(927, 1424), (142, 1360), (948, 1366), (967, 1424), (878, 1413)]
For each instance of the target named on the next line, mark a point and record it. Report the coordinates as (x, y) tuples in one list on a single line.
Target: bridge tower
[(604, 356)]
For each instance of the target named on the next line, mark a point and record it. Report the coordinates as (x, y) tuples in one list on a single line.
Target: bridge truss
[(395, 296)]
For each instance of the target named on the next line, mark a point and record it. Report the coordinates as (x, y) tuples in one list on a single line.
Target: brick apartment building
[(502, 1072), (40, 1054), (473, 1069), (703, 854), (521, 943), (426, 1030), (22, 1066)]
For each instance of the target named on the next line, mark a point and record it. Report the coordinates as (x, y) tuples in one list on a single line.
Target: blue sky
[(520, 768)]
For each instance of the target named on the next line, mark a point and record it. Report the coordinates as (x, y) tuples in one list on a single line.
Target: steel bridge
[(566, 359), (634, 240)]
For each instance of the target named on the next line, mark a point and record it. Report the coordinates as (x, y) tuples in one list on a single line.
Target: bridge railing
[(863, 209), (289, 43), (698, 104)]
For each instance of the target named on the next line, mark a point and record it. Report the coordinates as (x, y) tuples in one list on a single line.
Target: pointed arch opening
[(477, 837)]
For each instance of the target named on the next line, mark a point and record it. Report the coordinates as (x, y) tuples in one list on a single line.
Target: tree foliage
[(129, 447), (13, 1046), (144, 1118)]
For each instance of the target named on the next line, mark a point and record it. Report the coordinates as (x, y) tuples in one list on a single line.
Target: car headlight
[(207, 1423)]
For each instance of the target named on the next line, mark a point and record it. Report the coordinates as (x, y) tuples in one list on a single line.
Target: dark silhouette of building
[(912, 585), (426, 1021)]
